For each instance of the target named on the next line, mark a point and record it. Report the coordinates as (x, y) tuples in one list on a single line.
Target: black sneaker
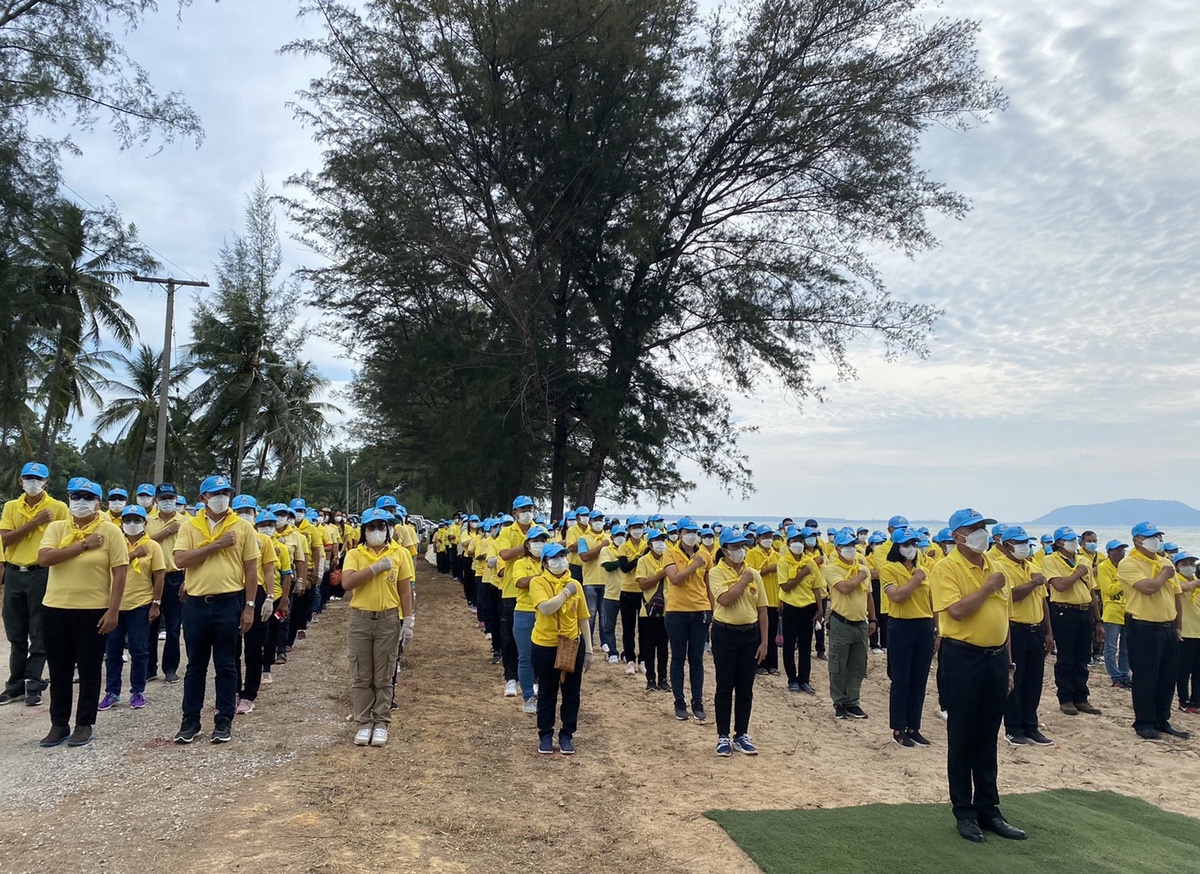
[(856, 712), (80, 737), (794, 686), (901, 739), (221, 733), (681, 713), (1038, 738), (10, 697), (807, 689), (1017, 740), (664, 686), (839, 711), (33, 699), (152, 674), (918, 738), (497, 658), (187, 733), (698, 712), (651, 686), (170, 677), (58, 734)]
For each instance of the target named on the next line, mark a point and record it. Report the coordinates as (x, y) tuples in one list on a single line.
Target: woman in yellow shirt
[(910, 635), (800, 605), (739, 640), (517, 576), (688, 613), (87, 559), (380, 575), (561, 612), (650, 575), (140, 605), (1188, 684)]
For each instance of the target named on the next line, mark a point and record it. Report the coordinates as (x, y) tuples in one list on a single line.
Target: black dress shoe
[(969, 829), (1175, 732), (1001, 826), (1149, 733)]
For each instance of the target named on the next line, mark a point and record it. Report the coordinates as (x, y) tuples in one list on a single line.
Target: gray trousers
[(374, 639), (847, 661)]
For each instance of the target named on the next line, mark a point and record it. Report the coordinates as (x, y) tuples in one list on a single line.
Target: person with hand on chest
[(851, 622), (162, 525)]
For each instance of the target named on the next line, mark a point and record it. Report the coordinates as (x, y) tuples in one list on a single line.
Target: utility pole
[(347, 510), (160, 447)]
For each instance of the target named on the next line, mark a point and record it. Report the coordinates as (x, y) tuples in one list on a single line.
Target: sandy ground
[(461, 788)]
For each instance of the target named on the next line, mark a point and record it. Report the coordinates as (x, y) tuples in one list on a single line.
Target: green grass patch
[(1069, 830)]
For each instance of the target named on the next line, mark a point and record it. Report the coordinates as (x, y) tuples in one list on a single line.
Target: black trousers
[(253, 642), (797, 641), (302, 607), (470, 583), (631, 606), (820, 632), (909, 659), (1073, 637), (24, 628), (1189, 672), (1153, 662), (733, 649), (975, 685), (550, 684), (1029, 655), (488, 602), (170, 617), (652, 644), (880, 638), (73, 641), (771, 661), (443, 562), (508, 643)]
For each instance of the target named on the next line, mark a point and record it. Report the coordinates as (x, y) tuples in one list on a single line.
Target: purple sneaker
[(137, 701), (108, 701)]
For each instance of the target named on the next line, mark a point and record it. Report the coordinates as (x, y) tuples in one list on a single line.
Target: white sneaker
[(266, 680), (162, 635), (604, 648), (631, 668), (945, 716), (612, 659), (510, 689), (362, 737), (378, 736), (487, 635), (530, 705), (535, 690)]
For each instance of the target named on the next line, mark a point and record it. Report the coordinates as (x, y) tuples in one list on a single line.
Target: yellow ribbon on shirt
[(200, 523), (134, 563), (76, 534)]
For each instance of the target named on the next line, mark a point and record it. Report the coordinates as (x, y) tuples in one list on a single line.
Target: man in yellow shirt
[(852, 620), (22, 525), (763, 556), (1069, 581), (1112, 614), (687, 615), (162, 526), (971, 594), (1152, 624), (220, 553)]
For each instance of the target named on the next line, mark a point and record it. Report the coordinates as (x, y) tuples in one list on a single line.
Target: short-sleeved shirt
[(573, 533), (1031, 609), (851, 606), (224, 570), (612, 579), (759, 558), (84, 581), (951, 580), (1058, 565), (805, 592), (1159, 607), (1112, 593), (283, 565), (690, 596), (649, 566), (525, 566), (570, 616), (155, 524), (1191, 614), (744, 610), (593, 573), (381, 592), (139, 578), (918, 605), (17, 514)]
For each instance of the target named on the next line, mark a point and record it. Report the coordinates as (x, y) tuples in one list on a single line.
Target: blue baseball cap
[(1182, 556), (732, 538), (242, 502), (539, 520), (655, 534), (923, 530), (672, 528), (687, 523), (1065, 532), (264, 517), (582, 510), (536, 531), (897, 522), (880, 537), (831, 531), (402, 510), (1046, 539), (214, 484), (35, 469), (762, 530), (998, 529), (165, 489), (552, 549), (83, 484), (134, 510), (569, 516), (1114, 544), (1168, 546), (145, 489), (792, 532), (522, 501), (595, 514), (298, 504), (506, 519), (1146, 529), (943, 536), (382, 502), (375, 514), (118, 492), (617, 529), (845, 537), (905, 535), (1014, 534), (968, 518)]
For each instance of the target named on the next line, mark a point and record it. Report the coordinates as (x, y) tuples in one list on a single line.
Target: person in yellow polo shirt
[(739, 640), (378, 576), (275, 608), (1189, 631), (22, 525), (561, 612), (910, 634), (800, 607), (1073, 610), (250, 662), (1152, 625), (524, 550), (688, 613), (971, 595), (650, 576), (87, 561), (851, 620), (629, 553), (220, 553), (763, 556), (1112, 614), (1030, 635), (162, 525), (140, 603)]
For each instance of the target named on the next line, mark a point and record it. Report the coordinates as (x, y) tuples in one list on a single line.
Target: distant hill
[(1126, 512)]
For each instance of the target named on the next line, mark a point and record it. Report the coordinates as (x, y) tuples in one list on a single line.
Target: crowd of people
[(991, 603), (97, 581)]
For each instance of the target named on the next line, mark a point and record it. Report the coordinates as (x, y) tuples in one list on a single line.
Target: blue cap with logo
[(1146, 529), (536, 531), (135, 510), (375, 514), (265, 517), (845, 537), (118, 493), (1065, 532), (733, 538), (897, 522), (968, 518), (1014, 534), (687, 523), (214, 484), (1114, 544), (81, 484), (943, 536), (146, 489), (35, 469), (905, 535), (522, 501), (550, 550)]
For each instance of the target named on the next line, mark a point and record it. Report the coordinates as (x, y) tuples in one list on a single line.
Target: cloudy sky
[(1064, 370)]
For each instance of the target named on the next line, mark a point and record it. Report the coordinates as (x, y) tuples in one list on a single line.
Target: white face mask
[(218, 504), (375, 537), (473, 525), (1152, 544), (116, 506), (33, 487), (1020, 551), (674, 538), (144, 501), (1071, 546), (765, 542), (524, 518), (282, 523), (737, 556), (535, 549), (598, 526), (557, 566), (1188, 571), (658, 547), (81, 508), (908, 552), (707, 541), (249, 517), (796, 548), (165, 506), (619, 540), (133, 529), (636, 533), (810, 541), (268, 530), (691, 538), (847, 553), (977, 541)]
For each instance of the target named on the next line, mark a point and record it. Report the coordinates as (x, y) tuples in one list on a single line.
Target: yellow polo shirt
[(744, 610), (1031, 609), (1057, 565), (593, 573), (525, 566), (570, 616), (382, 591), (83, 582), (223, 571), (1191, 614), (806, 591), (1112, 593), (954, 578), (612, 579), (266, 555), (759, 558), (283, 565), (139, 577), (852, 606), (574, 532), (1159, 607), (918, 605), (18, 513), (648, 566), (690, 596), (154, 525)]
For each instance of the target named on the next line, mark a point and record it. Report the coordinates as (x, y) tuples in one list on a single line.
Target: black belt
[(1071, 606), (221, 596), (840, 618), (1026, 626), (23, 568), (731, 627), (1169, 624), (985, 650)]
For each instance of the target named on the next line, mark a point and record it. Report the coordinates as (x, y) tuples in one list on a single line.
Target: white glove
[(406, 631), (570, 588), (383, 565), (587, 661), (267, 610), (491, 562)]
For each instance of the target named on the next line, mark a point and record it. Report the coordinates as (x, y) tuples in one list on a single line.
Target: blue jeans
[(211, 631), (132, 626), (523, 632), (687, 633), (609, 610), (1116, 656), (593, 595)]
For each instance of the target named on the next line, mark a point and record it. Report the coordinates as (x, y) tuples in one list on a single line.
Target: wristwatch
[(156, 603), (249, 603)]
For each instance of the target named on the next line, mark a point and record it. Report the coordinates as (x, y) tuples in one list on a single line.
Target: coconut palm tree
[(134, 406)]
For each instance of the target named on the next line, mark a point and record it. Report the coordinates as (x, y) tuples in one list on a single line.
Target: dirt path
[(460, 787)]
